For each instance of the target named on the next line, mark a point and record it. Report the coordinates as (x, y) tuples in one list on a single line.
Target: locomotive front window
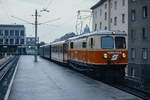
[(107, 42), (120, 42)]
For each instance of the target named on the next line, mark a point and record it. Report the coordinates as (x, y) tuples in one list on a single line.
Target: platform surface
[(46, 80)]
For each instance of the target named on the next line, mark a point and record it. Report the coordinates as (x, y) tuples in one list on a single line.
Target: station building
[(12, 39)]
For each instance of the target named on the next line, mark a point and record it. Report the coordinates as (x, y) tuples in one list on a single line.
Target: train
[(103, 53)]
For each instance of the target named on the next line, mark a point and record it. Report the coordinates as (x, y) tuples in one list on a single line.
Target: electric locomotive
[(104, 53)]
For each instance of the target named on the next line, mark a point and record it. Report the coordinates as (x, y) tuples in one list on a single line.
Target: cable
[(50, 21)]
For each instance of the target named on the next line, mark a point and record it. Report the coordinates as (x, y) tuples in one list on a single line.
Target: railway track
[(141, 94), (6, 71), (124, 87)]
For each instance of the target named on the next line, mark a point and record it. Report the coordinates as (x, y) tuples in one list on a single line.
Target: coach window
[(83, 44), (107, 42), (71, 45)]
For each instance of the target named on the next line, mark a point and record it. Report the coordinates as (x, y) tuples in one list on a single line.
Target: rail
[(6, 71)]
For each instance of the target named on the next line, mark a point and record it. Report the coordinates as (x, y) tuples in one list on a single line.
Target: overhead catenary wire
[(50, 2), (49, 21), (22, 20)]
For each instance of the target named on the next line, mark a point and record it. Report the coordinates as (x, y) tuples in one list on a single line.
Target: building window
[(6, 41), (17, 41), (11, 41), (115, 5), (22, 41), (133, 53), (105, 27), (144, 53), (95, 12), (22, 33), (132, 72), (123, 2), (132, 36), (144, 35), (111, 20), (12, 32), (16, 32), (145, 12), (1, 32), (6, 32), (100, 25), (123, 18), (105, 15), (133, 14), (1, 41), (100, 12), (105, 6), (95, 27), (115, 20), (111, 5)]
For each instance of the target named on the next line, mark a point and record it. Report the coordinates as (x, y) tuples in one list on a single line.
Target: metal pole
[(109, 15), (36, 14)]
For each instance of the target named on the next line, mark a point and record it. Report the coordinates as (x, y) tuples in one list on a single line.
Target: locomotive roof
[(101, 32), (91, 34)]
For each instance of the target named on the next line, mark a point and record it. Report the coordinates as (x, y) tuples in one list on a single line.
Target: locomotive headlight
[(124, 55), (105, 56)]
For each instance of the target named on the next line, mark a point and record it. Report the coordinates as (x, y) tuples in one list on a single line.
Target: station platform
[(46, 80)]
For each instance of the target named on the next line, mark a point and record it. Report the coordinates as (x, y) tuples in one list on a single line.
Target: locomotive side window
[(91, 42), (83, 44), (120, 42), (107, 42), (71, 45)]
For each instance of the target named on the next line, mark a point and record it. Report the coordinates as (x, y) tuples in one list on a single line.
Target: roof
[(98, 4), (9, 25)]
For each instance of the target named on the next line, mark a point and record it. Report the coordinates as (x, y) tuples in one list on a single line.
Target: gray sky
[(65, 9)]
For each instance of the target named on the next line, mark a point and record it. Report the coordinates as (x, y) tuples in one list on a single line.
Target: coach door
[(65, 47)]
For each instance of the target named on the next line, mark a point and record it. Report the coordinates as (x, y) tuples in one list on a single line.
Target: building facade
[(12, 39), (30, 41), (110, 15), (139, 42), (30, 45), (133, 17)]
